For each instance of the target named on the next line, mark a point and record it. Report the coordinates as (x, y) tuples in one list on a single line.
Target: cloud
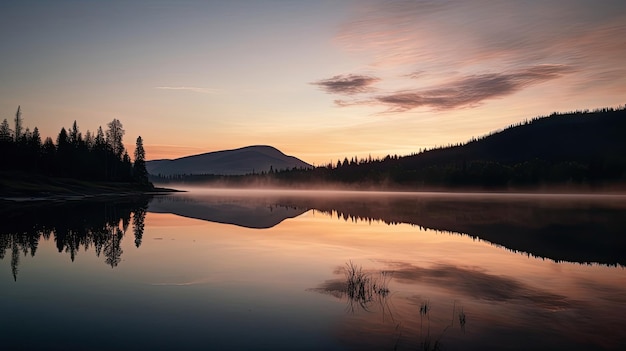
[(415, 74), (466, 91), (192, 89), (423, 41), (349, 84), (441, 34)]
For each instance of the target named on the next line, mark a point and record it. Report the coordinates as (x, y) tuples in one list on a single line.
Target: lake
[(315, 270)]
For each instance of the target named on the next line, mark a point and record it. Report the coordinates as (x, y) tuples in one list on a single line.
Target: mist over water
[(337, 270)]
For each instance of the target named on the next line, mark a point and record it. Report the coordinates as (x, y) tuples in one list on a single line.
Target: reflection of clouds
[(611, 293), (334, 287), (187, 283), (499, 311), (479, 285)]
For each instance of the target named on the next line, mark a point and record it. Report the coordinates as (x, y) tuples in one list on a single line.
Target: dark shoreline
[(21, 187)]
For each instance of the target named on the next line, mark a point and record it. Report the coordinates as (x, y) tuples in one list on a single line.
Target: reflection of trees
[(73, 226), (562, 228), (112, 249), (138, 223)]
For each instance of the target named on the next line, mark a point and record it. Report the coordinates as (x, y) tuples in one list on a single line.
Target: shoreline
[(25, 187), (50, 197)]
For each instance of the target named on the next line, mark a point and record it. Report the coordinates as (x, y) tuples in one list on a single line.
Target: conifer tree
[(140, 173), (18, 124), (5, 131)]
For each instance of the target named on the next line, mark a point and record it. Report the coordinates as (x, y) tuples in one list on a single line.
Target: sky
[(319, 80)]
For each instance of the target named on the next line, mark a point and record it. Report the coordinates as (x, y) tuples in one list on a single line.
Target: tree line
[(99, 156), (579, 148)]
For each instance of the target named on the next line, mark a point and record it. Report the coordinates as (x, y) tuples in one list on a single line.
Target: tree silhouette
[(35, 139), (140, 173), (114, 136), (5, 131), (18, 124), (75, 138)]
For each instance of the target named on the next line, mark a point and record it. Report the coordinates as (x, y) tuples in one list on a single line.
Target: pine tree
[(35, 139), (140, 173), (18, 124), (75, 137), (5, 131)]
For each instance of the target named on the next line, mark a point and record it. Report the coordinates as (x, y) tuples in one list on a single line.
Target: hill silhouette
[(571, 150), (579, 136), (245, 160)]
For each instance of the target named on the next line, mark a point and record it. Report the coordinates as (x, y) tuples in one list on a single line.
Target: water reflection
[(363, 292), (72, 225), (360, 288), (432, 307), (583, 229), (249, 212), (345, 274)]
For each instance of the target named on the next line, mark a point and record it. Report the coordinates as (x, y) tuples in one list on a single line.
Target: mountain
[(249, 159), (563, 151)]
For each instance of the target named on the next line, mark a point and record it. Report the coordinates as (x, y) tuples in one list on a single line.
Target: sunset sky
[(319, 80)]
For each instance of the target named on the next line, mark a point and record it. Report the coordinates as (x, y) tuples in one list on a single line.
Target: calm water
[(267, 270)]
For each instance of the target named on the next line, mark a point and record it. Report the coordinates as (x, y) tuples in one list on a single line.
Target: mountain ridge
[(244, 160)]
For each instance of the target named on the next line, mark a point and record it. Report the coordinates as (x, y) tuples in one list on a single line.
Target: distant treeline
[(99, 156), (566, 149)]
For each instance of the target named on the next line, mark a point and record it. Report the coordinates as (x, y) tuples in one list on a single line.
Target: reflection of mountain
[(559, 227), (242, 211), (72, 225)]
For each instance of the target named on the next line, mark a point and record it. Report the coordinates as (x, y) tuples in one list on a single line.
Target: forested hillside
[(577, 148)]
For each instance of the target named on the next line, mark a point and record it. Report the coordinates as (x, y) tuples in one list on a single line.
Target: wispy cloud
[(466, 91), (422, 43), (191, 89), (349, 84), (430, 33)]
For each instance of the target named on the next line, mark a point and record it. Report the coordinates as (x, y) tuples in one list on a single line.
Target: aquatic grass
[(363, 289)]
